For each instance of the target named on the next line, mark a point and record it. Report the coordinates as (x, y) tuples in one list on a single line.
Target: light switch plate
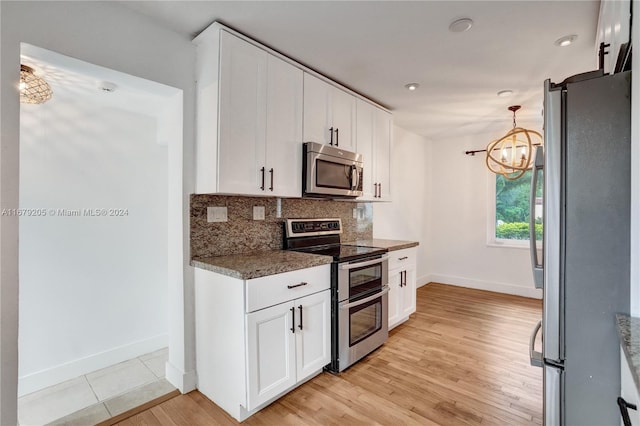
[(217, 214), (258, 212)]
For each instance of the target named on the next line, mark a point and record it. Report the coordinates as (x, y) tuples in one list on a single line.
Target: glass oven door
[(360, 278), (364, 320)]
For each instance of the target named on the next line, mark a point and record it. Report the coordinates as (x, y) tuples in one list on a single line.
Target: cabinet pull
[(624, 410), (403, 258), (337, 137), (300, 326), (293, 320), (404, 278), (262, 186), (380, 190), (271, 187), (375, 190), (331, 135), (297, 285)]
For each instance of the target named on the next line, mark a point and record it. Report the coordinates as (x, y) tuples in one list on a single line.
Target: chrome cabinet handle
[(297, 285), (535, 357), (331, 133), (300, 326), (403, 258), (262, 185), (293, 320), (271, 187)]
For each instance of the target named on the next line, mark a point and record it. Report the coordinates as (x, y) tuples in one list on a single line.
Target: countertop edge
[(259, 270), (390, 245), (623, 322)]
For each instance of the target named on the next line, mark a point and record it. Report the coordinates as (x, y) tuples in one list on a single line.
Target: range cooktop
[(343, 252)]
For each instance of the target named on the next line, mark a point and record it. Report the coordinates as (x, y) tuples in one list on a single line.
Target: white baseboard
[(423, 280), (517, 290), (184, 381), (52, 376)]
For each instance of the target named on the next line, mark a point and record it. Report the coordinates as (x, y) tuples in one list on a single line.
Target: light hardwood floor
[(462, 359)]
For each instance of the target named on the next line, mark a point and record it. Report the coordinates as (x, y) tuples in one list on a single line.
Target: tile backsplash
[(242, 234)]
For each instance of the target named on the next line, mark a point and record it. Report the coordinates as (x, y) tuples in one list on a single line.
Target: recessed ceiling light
[(461, 25), (107, 86), (411, 86), (505, 93), (566, 40)]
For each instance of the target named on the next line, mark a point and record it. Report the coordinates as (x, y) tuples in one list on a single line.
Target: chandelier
[(33, 89), (511, 155)]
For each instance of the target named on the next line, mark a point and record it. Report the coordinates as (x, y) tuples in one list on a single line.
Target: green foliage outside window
[(512, 208)]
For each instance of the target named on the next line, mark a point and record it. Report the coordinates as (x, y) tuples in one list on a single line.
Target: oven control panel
[(308, 227)]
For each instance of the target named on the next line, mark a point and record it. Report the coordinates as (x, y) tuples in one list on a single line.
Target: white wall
[(109, 35), (635, 169), (408, 216), (459, 213), (93, 289)]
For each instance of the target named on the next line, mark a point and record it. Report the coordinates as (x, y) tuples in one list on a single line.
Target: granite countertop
[(629, 334), (390, 245), (260, 264)]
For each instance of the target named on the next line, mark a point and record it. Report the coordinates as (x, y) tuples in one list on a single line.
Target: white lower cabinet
[(257, 339), (628, 390), (286, 344), (402, 285)]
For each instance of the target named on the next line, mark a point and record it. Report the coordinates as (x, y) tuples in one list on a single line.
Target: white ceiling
[(376, 47)]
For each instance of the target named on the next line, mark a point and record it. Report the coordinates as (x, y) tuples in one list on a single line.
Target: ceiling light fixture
[(514, 150), (33, 89), (566, 40), (411, 86), (461, 25), (505, 93)]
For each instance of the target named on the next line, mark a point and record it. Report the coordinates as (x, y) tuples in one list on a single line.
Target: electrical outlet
[(217, 214), (258, 212), (355, 212)]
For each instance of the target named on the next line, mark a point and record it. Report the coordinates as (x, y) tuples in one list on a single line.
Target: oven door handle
[(361, 264), (384, 291)]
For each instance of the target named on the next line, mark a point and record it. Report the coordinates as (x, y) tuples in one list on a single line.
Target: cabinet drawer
[(402, 258), (273, 289)]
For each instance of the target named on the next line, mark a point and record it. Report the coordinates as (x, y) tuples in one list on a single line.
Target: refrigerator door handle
[(538, 271), (535, 357)]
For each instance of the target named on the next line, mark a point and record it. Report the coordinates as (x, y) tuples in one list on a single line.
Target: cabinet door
[(408, 299), (364, 145), (382, 154), (313, 333), (284, 129), (317, 105), (343, 119), (270, 353), (395, 295), (243, 72)]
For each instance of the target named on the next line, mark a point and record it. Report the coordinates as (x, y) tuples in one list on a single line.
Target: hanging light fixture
[(33, 89), (512, 154)]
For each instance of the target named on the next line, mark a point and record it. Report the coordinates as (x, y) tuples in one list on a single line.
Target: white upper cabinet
[(256, 107), (243, 112), (250, 142), (284, 129), (374, 142), (329, 114)]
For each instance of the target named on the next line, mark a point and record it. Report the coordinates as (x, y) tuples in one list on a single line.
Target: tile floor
[(99, 395)]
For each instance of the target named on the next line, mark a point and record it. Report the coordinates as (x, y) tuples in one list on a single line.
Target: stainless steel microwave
[(330, 172)]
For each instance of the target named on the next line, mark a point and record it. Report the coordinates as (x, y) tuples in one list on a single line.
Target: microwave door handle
[(538, 270), (354, 178)]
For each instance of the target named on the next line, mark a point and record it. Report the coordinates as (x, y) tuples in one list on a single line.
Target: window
[(510, 216)]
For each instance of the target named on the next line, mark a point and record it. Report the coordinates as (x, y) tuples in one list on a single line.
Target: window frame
[(492, 241)]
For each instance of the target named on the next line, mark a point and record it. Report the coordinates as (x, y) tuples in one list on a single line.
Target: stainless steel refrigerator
[(585, 170)]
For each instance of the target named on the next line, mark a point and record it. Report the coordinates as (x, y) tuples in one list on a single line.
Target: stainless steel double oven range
[(359, 287)]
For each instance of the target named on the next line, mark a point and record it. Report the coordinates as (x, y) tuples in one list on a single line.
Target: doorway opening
[(94, 241)]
